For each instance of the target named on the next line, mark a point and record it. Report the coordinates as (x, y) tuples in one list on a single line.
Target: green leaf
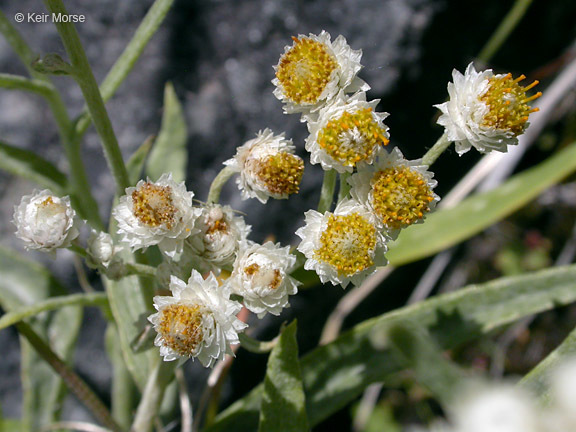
[(24, 283), (283, 400), (23, 312), (169, 153), (445, 228), (135, 164), (417, 350), (335, 374), (537, 380), (29, 165)]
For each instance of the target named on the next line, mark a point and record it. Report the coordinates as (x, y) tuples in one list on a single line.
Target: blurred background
[(219, 56)]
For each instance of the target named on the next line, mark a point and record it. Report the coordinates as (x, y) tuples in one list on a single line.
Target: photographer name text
[(32, 17)]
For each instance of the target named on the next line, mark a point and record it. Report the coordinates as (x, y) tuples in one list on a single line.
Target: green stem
[(344, 186), (89, 86), (19, 314), (437, 149), (80, 192), (15, 82), (161, 375), (128, 58), (78, 250), (504, 30), (327, 192), (255, 346), (140, 269), (76, 385), (218, 183)]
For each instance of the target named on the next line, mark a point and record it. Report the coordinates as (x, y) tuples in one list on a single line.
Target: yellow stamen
[(281, 172), (347, 244), (152, 205), (400, 196), (181, 327), (305, 70), (353, 137)]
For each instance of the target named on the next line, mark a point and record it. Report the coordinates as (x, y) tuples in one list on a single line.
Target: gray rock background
[(219, 55)]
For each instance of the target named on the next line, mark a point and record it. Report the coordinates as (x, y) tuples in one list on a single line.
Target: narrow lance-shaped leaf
[(446, 228), (336, 373), (169, 153), (23, 283), (30, 166), (283, 400)]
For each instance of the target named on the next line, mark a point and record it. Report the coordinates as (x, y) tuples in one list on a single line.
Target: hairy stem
[(85, 79), (327, 192), (218, 183), (437, 149)]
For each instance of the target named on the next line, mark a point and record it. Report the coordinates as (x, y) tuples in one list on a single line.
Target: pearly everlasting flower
[(268, 167), (485, 111), (313, 70), (159, 213), (347, 134), (262, 277), (45, 222), (344, 246), (219, 237), (101, 250), (398, 191), (498, 409), (199, 320)]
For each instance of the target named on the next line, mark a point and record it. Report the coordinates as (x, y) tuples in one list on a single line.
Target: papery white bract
[(347, 134), (198, 320), (220, 234), (267, 166), (101, 249), (158, 213), (45, 222), (397, 190), (496, 409), (262, 277), (313, 70), (485, 111), (344, 246)]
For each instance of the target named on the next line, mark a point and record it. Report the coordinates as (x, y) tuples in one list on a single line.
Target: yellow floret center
[(305, 70), (281, 173), (508, 104), (180, 326), (352, 137), (272, 278), (48, 207), (347, 243), (400, 196), (152, 205)]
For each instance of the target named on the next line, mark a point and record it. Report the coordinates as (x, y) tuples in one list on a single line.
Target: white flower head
[(497, 409), (101, 250), (398, 191), (313, 70), (344, 246), (268, 167), (45, 222), (262, 277), (220, 234), (485, 111), (158, 213), (347, 134), (198, 320)]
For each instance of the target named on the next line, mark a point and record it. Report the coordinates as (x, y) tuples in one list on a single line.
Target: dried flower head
[(198, 321), (158, 213), (262, 277), (398, 191), (313, 70), (220, 234), (45, 222), (486, 111), (344, 246), (268, 167), (348, 133)]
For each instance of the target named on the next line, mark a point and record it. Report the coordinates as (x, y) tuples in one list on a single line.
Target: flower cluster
[(207, 245)]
